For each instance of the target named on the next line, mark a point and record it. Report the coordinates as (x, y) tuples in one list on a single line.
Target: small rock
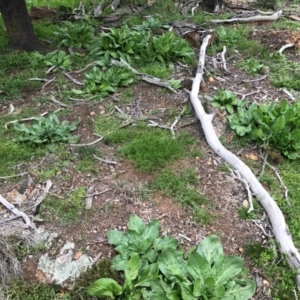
[(245, 203), (266, 282)]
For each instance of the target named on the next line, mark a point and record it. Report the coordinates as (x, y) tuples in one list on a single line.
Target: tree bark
[(18, 26)]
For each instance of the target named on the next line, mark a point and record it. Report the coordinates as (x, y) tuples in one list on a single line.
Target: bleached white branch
[(280, 229)]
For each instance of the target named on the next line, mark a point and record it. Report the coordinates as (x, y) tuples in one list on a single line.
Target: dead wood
[(264, 18), (279, 226), (17, 212)]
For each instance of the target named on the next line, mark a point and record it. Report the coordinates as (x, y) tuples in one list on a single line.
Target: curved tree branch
[(279, 226)]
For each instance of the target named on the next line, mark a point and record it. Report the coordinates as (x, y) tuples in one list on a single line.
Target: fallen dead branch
[(107, 161), (87, 144), (17, 212), (89, 197), (279, 226), (41, 198), (144, 77), (264, 18), (11, 176), (286, 47), (74, 80), (255, 80), (52, 98), (48, 82)]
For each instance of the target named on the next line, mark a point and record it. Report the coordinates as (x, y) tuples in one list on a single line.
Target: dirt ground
[(123, 182)]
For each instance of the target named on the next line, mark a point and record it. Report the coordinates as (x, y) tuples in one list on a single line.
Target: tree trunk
[(18, 26)]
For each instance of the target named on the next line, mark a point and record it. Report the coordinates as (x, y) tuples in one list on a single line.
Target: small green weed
[(274, 268), (284, 73), (86, 161), (224, 168), (158, 69), (225, 100), (44, 130), (154, 268), (20, 290), (251, 65), (231, 36)]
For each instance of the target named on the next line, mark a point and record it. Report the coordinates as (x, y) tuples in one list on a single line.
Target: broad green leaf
[(279, 124), (119, 263), (187, 291), (240, 292), (74, 139), (198, 267), (211, 249), (147, 275), (151, 231), (198, 287), (136, 224), (229, 108), (210, 284), (173, 295), (116, 237), (151, 255), (105, 287), (164, 243), (133, 266), (227, 268), (172, 264), (124, 250)]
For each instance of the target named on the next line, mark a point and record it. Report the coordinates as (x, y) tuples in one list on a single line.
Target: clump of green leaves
[(230, 36), (272, 124), (251, 65), (154, 268), (47, 130), (57, 58), (75, 35), (120, 43), (168, 47), (138, 47), (150, 24), (101, 82), (225, 100)]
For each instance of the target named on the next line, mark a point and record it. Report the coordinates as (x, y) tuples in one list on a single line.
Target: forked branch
[(279, 226)]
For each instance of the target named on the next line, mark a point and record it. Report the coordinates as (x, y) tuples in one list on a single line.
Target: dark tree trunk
[(18, 25)]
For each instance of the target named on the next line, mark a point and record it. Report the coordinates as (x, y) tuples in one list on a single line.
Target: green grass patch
[(86, 162), (285, 24), (275, 269), (285, 73), (13, 153), (182, 187), (153, 149), (67, 211)]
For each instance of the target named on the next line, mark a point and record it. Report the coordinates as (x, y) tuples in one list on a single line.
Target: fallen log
[(279, 227), (258, 18)]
